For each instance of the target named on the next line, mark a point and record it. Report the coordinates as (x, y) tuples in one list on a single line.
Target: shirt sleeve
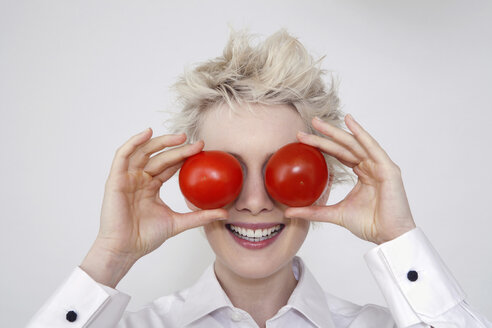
[(417, 286), (79, 302)]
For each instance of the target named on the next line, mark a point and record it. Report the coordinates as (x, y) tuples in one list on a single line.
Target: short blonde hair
[(278, 70)]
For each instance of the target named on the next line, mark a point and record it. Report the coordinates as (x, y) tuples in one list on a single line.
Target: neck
[(262, 298)]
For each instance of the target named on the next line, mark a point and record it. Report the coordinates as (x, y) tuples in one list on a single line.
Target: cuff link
[(412, 275), (71, 316)]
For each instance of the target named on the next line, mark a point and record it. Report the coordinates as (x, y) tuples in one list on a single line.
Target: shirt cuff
[(89, 301), (413, 278)]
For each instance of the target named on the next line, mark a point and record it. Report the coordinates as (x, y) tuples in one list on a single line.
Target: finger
[(372, 147), (152, 189), (185, 221), (162, 161), (141, 156), (122, 156), (167, 174), (341, 137), (329, 213), (331, 148)]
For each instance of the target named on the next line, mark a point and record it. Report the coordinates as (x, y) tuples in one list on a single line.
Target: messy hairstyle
[(278, 70)]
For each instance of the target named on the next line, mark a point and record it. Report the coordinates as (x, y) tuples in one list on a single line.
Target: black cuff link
[(412, 275), (71, 316)]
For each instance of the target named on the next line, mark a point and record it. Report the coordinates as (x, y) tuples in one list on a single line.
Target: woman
[(250, 102)]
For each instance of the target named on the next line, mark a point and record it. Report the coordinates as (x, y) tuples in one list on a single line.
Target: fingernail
[(303, 134), (317, 118), (351, 117), (147, 129)]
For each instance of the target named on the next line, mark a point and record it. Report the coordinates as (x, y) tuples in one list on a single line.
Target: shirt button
[(412, 275), (71, 316), (236, 316)]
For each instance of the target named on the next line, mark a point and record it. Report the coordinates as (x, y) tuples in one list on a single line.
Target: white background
[(78, 78)]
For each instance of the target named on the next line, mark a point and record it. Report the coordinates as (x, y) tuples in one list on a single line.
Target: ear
[(324, 197)]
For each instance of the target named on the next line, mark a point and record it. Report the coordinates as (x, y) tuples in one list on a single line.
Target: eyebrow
[(242, 160)]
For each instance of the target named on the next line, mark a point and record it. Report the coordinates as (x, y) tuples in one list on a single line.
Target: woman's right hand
[(134, 219)]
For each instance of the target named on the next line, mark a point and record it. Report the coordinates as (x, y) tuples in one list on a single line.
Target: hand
[(134, 219), (376, 209)]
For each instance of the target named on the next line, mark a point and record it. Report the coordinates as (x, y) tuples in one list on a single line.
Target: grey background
[(78, 78)]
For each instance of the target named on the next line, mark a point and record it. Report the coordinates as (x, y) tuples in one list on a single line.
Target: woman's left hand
[(376, 209)]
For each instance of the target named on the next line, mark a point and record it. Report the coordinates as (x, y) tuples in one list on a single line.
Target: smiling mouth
[(255, 235)]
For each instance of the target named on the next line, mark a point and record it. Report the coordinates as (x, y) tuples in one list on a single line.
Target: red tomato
[(296, 174), (211, 179)]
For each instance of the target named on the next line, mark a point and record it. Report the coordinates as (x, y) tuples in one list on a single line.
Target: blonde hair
[(278, 70)]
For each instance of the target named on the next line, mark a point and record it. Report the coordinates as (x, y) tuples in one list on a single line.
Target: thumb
[(185, 221), (328, 213)]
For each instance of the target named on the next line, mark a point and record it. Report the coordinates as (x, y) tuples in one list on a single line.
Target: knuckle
[(165, 162), (325, 130), (392, 170), (393, 167), (341, 153), (397, 168), (120, 150), (142, 152)]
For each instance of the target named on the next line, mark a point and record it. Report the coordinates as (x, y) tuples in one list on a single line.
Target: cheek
[(301, 227), (297, 232), (213, 231)]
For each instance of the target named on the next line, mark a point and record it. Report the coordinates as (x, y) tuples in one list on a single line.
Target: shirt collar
[(309, 298), (206, 296)]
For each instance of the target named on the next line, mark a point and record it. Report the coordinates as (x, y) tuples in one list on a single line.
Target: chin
[(261, 263), (252, 270)]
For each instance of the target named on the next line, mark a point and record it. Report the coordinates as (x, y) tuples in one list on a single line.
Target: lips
[(255, 236), (254, 226)]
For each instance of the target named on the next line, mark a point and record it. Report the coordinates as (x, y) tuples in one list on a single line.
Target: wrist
[(106, 266), (397, 233)]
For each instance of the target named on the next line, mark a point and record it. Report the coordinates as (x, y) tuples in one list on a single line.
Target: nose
[(253, 197)]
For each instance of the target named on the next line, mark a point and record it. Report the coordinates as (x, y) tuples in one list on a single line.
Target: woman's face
[(254, 137)]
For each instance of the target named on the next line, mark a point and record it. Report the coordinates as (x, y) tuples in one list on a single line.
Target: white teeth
[(258, 233)]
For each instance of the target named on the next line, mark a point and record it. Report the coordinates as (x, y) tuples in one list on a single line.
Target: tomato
[(296, 174), (211, 179)]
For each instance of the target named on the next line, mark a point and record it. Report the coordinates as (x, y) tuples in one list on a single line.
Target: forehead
[(263, 129)]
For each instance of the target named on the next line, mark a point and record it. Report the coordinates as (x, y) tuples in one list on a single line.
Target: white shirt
[(427, 296)]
